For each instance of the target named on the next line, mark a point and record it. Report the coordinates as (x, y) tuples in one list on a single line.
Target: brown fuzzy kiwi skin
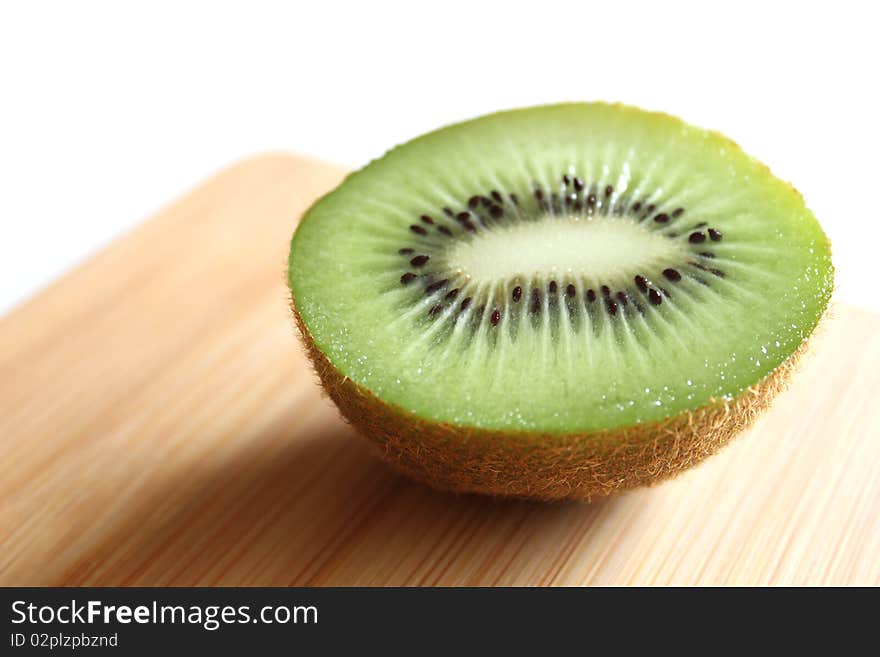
[(580, 466)]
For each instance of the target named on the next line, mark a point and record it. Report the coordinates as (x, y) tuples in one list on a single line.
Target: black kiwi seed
[(473, 202), (463, 216), (621, 296), (539, 194), (433, 287), (702, 224), (612, 307), (408, 277), (419, 260), (406, 251), (536, 300), (517, 294), (641, 283), (486, 201), (696, 238), (706, 254), (496, 317), (451, 294), (553, 287), (497, 196), (448, 212), (661, 218), (637, 206), (465, 303), (672, 274), (654, 297), (570, 290), (715, 235), (445, 231), (514, 199), (591, 296), (426, 219), (677, 213), (496, 211), (578, 184), (665, 293), (418, 230), (566, 179), (435, 309), (711, 270), (608, 190), (606, 291), (591, 200)]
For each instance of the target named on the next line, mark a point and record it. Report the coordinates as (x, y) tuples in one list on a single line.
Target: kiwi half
[(557, 302)]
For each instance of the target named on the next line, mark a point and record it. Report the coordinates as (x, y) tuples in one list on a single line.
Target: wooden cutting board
[(159, 426)]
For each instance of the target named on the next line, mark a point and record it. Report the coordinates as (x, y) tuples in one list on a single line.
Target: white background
[(110, 110)]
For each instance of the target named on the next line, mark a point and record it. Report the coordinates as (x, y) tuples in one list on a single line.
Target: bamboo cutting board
[(159, 426)]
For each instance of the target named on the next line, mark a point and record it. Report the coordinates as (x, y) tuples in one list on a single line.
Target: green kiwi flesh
[(577, 272)]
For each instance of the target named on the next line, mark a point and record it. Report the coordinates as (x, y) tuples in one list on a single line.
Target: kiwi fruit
[(557, 302)]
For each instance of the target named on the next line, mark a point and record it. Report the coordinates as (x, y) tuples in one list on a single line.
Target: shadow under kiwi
[(322, 509)]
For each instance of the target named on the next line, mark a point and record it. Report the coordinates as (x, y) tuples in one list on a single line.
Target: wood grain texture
[(159, 426)]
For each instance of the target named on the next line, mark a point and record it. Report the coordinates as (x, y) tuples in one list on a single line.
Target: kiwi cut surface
[(560, 301)]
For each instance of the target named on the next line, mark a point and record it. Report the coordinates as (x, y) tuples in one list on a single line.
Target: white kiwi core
[(601, 248)]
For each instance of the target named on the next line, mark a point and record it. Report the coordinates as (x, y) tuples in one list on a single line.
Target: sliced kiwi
[(560, 301)]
